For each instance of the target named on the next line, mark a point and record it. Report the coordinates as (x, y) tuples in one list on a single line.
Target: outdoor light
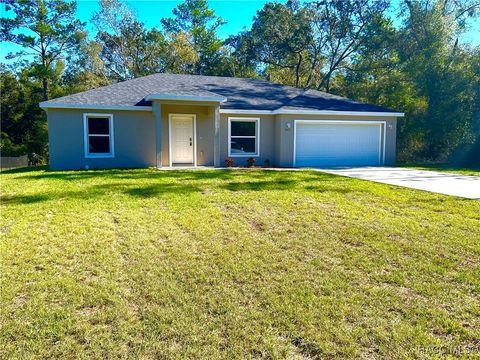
[(288, 126)]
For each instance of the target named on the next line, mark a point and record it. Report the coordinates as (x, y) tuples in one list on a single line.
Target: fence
[(7, 162)]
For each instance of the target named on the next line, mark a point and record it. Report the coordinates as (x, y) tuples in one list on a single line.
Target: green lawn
[(443, 168), (233, 264)]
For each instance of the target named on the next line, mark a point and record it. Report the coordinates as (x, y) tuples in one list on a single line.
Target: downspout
[(216, 148), (157, 113)]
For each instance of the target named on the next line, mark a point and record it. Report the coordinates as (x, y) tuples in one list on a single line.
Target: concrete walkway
[(433, 181)]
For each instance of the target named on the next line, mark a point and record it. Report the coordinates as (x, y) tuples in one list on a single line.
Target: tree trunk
[(45, 88), (297, 70)]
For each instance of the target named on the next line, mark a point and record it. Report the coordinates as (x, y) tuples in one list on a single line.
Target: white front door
[(182, 138)]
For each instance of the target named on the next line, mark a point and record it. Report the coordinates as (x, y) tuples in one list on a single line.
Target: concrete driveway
[(433, 181)]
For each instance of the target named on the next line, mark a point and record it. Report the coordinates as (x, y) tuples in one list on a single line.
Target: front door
[(182, 139)]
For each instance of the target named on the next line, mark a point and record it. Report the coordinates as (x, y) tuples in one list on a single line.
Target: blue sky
[(237, 13)]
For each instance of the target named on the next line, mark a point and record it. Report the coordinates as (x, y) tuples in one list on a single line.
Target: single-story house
[(166, 120)]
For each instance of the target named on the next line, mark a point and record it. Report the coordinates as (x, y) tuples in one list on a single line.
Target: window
[(98, 135), (243, 136)]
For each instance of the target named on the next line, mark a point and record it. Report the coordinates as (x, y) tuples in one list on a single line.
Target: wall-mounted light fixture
[(288, 126)]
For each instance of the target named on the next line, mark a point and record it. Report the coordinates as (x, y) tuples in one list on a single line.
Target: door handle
[(190, 141)]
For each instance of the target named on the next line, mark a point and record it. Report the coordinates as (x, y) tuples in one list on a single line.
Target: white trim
[(294, 142), (381, 124), (310, 112), (87, 155), (47, 105), (384, 140), (194, 117), (163, 96), (257, 136)]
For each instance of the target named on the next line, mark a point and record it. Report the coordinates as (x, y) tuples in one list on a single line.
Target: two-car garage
[(329, 143)]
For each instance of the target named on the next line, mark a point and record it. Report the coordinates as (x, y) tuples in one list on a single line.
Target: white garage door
[(342, 143)]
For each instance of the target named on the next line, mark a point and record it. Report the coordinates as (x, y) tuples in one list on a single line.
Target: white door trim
[(170, 157), (380, 124)]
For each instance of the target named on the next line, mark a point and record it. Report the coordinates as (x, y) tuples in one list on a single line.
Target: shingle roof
[(241, 93)]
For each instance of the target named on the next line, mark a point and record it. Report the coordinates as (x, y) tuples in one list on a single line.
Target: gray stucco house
[(173, 120)]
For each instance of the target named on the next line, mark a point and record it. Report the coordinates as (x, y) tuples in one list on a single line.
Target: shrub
[(229, 162)]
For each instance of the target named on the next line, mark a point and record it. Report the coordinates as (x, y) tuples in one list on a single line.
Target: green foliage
[(128, 49), (193, 35), (421, 69), (280, 37), (24, 128), (47, 29), (88, 72)]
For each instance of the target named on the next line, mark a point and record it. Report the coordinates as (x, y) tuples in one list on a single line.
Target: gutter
[(310, 112), (48, 105)]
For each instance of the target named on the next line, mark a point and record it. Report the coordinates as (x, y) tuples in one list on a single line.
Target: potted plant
[(251, 162), (229, 162)]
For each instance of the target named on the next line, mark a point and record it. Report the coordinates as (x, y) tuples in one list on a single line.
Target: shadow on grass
[(24, 199), (130, 174), (24, 169), (179, 182), (259, 185), (157, 190)]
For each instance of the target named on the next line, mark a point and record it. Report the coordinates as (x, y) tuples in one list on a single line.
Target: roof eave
[(48, 105), (312, 112)]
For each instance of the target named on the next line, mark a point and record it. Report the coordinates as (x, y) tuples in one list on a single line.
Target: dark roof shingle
[(241, 93)]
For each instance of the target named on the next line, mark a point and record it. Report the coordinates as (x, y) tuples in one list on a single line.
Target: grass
[(234, 264), (444, 168)]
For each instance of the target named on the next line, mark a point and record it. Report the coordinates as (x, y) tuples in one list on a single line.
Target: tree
[(24, 127), (241, 57), (281, 35), (12, 113), (422, 70), (340, 28), (306, 45), (195, 24), (442, 69), (128, 49), (88, 72), (48, 29)]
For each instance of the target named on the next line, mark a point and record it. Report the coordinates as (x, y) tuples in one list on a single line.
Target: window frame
[(86, 136), (256, 137)]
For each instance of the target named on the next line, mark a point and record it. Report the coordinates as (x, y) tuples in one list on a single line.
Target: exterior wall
[(205, 116), (135, 143), (134, 140), (284, 136), (266, 141)]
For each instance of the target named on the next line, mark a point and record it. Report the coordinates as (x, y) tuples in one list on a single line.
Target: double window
[(243, 136), (98, 135)]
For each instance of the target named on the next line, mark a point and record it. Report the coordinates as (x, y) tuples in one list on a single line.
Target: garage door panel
[(337, 144)]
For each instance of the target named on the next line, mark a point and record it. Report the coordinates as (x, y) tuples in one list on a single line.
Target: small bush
[(229, 162), (251, 162)]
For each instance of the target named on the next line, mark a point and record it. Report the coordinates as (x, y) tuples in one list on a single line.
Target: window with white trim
[(243, 136), (98, 135)]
